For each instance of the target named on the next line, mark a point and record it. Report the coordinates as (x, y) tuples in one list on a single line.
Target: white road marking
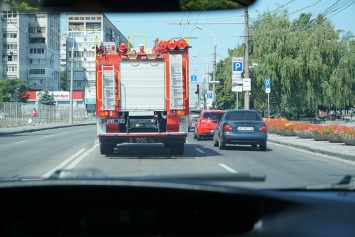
[(19, 142), (199, 150), (64, 163), (77, 160), (228, 168)]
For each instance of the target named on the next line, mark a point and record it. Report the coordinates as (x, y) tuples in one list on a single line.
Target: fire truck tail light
[(103, 113), (180, 112)]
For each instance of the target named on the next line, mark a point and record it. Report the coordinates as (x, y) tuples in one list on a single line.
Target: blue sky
[(167, 26)]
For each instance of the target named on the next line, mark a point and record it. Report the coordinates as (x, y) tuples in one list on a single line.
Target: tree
[(63, 80), (46, 98), (13, 90), (203, 5), (24, 6), (307, 62)]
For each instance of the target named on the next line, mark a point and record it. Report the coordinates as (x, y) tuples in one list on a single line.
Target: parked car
[(206, 123), (243, 127)]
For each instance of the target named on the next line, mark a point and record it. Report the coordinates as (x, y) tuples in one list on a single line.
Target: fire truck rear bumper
[(116, 138)]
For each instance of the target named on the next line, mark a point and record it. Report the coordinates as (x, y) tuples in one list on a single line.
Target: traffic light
[(197, 89)]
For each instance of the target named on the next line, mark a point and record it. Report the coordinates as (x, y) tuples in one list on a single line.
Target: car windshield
[(113, 91)]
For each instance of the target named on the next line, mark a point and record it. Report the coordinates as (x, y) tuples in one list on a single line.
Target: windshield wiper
[(345, 183), (95, 174)]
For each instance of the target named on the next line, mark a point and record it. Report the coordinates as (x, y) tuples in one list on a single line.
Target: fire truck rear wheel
[(177, 149), (106, 149)]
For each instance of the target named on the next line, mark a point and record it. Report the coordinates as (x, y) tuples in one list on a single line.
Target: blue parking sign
[(267, 83), (238, 66), (193, 78)]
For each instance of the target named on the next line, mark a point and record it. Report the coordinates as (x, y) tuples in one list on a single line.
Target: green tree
[(24, 6), (13, 90), (309, 65), (203, 5), (63, 80), (46, 98)]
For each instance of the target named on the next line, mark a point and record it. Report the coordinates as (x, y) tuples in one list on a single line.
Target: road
[(38, 154)]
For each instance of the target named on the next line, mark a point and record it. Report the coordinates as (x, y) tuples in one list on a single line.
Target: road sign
[(209, 95), (193, 78), (237, 87), (267, 85), (246, 84), (237, 65)]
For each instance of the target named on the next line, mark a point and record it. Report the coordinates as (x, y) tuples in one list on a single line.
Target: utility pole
[(246, 56), (71, 84)]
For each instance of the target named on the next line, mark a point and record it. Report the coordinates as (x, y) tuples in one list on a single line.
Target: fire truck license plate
[(120, 120)]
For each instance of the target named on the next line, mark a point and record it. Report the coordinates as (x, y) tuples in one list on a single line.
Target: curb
[(307, 148), (44, 128)]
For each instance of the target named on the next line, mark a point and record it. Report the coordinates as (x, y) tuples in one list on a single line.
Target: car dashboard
[(111, 208)]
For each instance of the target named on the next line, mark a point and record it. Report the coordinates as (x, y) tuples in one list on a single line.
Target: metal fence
[(17, 114)]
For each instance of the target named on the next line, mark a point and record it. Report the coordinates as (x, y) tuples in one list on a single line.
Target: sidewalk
[(339, 150), (38, 127)]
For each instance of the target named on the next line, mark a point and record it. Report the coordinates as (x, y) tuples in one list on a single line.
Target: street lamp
[(214, 62)]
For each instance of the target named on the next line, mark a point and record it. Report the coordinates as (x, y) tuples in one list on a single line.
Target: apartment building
[(30, 49), (82, 29)]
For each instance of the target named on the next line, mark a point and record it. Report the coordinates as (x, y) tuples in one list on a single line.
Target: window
[(11, 68), (79, 74), (212, 115), (37, 40), (243, 116), (37, 51), (9, 58), (36, 81), (78, 64), (36, 29), (9, 35), (78, 83), (89, 54), (10, 46), (93, 26), (37, 61), (37, 71), (76, 26)]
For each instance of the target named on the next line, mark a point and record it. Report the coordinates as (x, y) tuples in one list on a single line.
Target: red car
[(206, 123)]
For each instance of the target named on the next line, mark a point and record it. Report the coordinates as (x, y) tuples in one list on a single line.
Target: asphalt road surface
[(40, 153)]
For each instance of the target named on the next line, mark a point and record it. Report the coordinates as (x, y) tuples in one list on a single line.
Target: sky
[(227, 30)]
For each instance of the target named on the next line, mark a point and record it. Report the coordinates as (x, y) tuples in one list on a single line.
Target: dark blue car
[(243, 127)]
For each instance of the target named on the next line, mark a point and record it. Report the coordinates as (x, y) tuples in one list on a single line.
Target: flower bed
[(334, 133)]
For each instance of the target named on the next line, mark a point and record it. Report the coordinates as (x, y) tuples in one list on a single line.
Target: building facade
[(30, 49), (82, 30)]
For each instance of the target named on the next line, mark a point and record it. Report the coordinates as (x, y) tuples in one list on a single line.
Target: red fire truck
[(142, 94)]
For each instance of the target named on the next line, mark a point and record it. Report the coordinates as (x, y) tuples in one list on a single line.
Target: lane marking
[(77, 160), (64, 163), (19, 142), (199, 150), (228, 168)]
